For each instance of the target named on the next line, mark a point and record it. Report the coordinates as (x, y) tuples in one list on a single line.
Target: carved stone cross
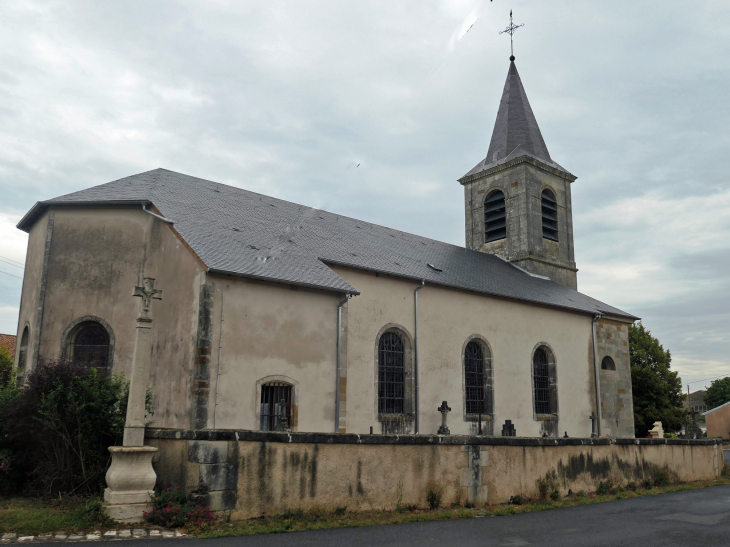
[(147, 292), (594, 420), (444, 409)]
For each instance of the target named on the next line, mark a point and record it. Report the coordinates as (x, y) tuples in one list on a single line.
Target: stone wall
[(253, 473), (617, 407)]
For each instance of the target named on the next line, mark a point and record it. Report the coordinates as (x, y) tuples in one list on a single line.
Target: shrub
[(59, 426), (647, 484), (516, 499), (662, 478), (340, 510), (603, 487), (668, 435), (631, 485), (581, 494), (434, 498), (171, 509), (555, 495), (725, 472)]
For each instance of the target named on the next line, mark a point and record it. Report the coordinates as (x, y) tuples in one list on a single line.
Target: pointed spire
[(516, 132)]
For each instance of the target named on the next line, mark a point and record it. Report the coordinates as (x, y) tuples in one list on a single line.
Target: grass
[(34, 517), (30, 516)]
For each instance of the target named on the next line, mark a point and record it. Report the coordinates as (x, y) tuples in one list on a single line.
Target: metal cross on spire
[(511, 30)]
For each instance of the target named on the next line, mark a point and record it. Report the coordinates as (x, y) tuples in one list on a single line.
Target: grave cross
[(594, 420), (444, 409), (147, 291)]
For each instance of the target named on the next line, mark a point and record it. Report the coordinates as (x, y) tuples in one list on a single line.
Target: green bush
[(172, 509), (57, 429), (434, 498), (581, 494), (555, 495)]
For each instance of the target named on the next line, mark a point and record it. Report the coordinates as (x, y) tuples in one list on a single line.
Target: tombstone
[(594, 422), (657, 432), (508, 430), (131, 479), (444, 409)]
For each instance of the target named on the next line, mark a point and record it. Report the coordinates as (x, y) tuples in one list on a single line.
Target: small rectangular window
[(275, 405)]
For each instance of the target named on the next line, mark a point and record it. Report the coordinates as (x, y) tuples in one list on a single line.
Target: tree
[(657, 389), (718, 393), (6, 366)]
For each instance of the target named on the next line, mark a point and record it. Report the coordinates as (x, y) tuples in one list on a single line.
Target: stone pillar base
[(130, 480)]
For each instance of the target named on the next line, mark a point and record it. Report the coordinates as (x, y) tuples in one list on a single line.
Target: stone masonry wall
[(616, 395), (252, 473)]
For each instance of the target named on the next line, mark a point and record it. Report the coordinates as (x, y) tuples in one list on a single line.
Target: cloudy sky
[(287, 98)]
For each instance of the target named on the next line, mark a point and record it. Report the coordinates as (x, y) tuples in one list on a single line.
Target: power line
[(10, 263), (707, 379), (11, 260), (11, 275)]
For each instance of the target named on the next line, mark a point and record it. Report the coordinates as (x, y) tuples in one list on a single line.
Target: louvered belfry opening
[(549, 215), (391, 374), (541, 381), (474, 378), (495, 217), (275, 404)]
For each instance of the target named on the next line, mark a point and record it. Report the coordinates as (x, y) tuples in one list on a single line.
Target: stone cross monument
[(444, 409), (131, 479)]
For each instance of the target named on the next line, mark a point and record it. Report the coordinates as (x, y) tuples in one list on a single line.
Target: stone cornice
[(511, 163)]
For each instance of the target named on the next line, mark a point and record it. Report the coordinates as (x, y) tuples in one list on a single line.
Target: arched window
[(608, 364), (541, 381), (91, 345), (495, 218), (23, 353), (476, 373), (276, 404), (391, 374), (549, 215)]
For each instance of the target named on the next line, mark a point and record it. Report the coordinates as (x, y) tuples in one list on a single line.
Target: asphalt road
[(696, 517)]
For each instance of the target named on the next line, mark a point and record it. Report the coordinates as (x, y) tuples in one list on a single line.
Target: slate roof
[(516, 132), (242, 233)]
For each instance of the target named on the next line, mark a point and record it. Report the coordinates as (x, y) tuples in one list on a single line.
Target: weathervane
[(511, 30)]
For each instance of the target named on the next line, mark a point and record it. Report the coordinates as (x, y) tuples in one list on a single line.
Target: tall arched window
[(541, 381), (608, 364), (549, 215), (474, 379), (91, 345), (391, 374), (23, 353), (495, 217)]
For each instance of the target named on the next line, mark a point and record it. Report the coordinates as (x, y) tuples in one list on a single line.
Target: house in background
[(7, 341), (718, 421)]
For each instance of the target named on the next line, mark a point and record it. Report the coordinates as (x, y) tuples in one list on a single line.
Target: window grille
[(391, 374), (495, 218), (474, 378), (549, 215), (608, 364), (91, 346), (541, 382), (275, 405)]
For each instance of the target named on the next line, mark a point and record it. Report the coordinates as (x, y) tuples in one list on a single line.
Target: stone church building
[(274, 312)]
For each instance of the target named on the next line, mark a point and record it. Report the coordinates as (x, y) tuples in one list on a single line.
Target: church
[(279, 316)]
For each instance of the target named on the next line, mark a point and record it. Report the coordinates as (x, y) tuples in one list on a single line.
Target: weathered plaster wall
[(31, 293), (276, 332), (446, 319), (97, 256), (256, 473), (616, 394)]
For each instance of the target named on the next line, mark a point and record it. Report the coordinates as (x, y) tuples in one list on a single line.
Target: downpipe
[(415, 354), (596, 372), (218, 374), (339, 365)]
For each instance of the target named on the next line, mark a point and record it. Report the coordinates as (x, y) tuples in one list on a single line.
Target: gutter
[(144, 208), (596, 372), (415, 353), (339, 369)]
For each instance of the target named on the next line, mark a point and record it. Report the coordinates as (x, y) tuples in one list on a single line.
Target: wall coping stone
[(352, 438)]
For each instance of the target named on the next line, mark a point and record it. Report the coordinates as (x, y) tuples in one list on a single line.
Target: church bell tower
[(517, 199)]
